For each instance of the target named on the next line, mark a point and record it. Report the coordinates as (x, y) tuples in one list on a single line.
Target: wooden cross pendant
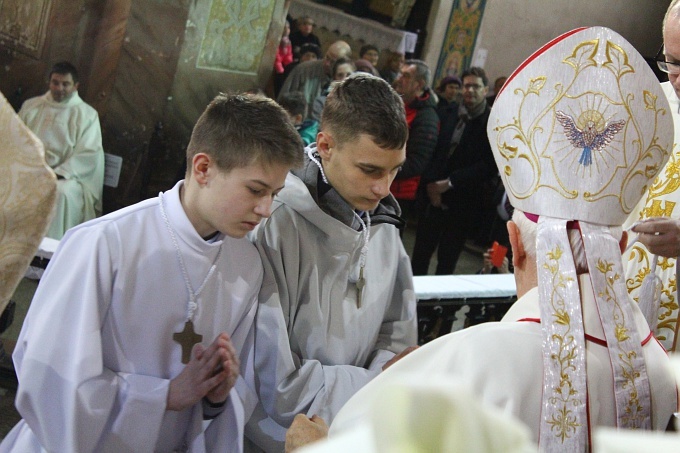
[(187, 339), (360, 286)]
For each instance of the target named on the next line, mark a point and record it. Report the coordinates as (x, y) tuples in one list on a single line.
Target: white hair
[(528, 229)]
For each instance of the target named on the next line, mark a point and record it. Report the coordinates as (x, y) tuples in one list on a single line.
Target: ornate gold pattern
[(634, 411), (27, 194), (563, 422), (657, 206), (527, 137)]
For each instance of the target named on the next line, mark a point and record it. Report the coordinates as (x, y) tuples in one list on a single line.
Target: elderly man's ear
[(518, 253)]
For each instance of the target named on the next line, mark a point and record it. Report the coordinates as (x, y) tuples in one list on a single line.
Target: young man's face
[(234, 202), (306, 27), (372, 56), (474, 91), (62, 86), (342, 72), (359, 170), (308, 56)]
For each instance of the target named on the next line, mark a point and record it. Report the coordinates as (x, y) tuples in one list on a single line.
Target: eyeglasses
[(666, 66), (472, 86)]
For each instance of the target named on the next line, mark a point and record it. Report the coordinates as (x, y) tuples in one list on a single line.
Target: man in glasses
[(658, 211)]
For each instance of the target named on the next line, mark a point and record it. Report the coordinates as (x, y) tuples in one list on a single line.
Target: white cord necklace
[(365, 229), (187, 338)]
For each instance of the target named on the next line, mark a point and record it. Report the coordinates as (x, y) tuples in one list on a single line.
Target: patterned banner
[(456, 54)]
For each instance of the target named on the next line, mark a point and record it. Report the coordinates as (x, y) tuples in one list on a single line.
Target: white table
[(464, 286), (369, 31), (447, 303)]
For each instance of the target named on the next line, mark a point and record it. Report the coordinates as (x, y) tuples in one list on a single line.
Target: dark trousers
[(447, 229)]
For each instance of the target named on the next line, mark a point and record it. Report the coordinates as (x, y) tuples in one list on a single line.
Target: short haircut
[(365, 104), (63, 68), (239, 130), (365, 48), (528, 232), (423, 73), (294, 102), (477, 72)]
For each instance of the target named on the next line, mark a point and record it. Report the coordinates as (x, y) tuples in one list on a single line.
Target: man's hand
[(210, 373), (435, 191), (399, 356), (304, 431), (660, 235)]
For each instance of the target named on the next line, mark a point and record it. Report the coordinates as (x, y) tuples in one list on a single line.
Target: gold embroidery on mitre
[(634, 413), (581, 133), (565, 396)]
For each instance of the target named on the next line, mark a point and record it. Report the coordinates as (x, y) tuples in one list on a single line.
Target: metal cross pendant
[(187, 339), (360, 286)]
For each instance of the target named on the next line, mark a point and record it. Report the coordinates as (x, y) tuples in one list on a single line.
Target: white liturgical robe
[(661, 200), (502, 362), (96, 352), (72, 137)]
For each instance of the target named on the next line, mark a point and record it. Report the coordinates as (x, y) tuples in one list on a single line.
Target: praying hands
[(211, 373)]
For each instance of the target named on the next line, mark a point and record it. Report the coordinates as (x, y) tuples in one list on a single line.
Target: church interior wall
[(512, 30), (138, 64)]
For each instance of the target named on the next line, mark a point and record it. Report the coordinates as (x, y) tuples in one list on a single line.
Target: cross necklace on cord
[(187, 338), (365, 229)]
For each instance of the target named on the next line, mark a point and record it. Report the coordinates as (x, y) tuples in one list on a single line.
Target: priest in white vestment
[(135, 335), (578, 131), (69, 129), (654, 256)]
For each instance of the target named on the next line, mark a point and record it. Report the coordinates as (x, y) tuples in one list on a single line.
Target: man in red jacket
[(421, 115)]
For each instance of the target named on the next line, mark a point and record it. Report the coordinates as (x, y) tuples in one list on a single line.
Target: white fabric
[(502, 362), (608, 440), (314, 347), (436, 415), (96, 353), (369, 31), (662, 199), (587, 92), (564, 345), (72, 137), (464, 286)]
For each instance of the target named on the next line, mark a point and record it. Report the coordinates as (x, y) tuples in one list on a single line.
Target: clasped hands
[(211, 373)]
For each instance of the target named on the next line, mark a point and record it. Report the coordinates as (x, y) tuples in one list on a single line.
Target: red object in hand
[(498, 252)]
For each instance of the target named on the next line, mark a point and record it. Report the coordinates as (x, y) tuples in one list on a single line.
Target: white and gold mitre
[(578, 132), (581, 128)]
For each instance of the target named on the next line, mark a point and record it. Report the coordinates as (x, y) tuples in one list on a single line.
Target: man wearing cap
[(659, 231), (574, 352)]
